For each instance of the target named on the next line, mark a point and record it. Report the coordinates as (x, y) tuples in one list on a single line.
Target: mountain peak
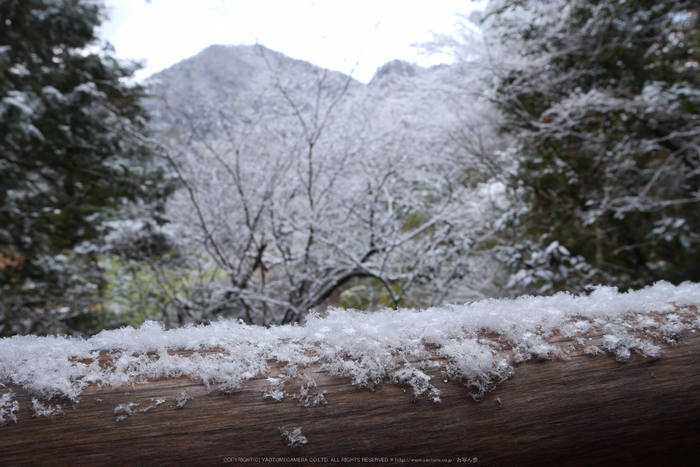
[(236, 66), (396, 68)]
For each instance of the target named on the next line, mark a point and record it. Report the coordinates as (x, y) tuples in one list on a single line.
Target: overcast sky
[(335, 34)]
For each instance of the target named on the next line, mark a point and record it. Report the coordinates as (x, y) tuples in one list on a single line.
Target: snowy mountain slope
[(228, 75)]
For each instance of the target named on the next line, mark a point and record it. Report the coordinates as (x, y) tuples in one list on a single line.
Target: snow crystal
[(308, 397), (154, 403), (295, 437), (126, 408), (276, 389), (389, 346), (182, 400)]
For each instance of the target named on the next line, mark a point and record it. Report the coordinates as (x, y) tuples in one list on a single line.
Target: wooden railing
[(582, 409)]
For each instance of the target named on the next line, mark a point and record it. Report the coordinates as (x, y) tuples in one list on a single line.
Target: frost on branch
[(477, 345)]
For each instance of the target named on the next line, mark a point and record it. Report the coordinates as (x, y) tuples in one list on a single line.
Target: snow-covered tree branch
[(296, 188), (598, 103)]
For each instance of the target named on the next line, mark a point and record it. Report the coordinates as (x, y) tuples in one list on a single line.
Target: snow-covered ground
[(390, 346)]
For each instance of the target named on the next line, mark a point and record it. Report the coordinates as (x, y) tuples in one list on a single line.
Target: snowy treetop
[(392, 346)]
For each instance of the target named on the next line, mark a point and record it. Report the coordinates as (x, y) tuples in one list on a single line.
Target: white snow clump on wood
[(392, 346)]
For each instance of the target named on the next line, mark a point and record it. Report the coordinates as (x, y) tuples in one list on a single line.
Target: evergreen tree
[(603, 99), (72, 153)]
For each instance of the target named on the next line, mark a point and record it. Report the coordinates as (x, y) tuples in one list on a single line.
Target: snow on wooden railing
[(149, 387)]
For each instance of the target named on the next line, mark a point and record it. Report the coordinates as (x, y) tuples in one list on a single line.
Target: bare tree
[(301, 186)]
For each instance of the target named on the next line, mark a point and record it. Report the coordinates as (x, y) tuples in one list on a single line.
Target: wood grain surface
[(584, 410)]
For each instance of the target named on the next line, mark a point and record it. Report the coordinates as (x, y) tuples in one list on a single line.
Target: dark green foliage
[(72, 154), (609, 134)]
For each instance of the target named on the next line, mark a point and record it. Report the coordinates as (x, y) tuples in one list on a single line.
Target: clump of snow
[(672, 328), (389, 346), (419, 381), (478, 365), (532, 345), (295, 437), (621, 344), (696, 324), (8, 407), (276, 389), (41, 410), (576, 327), (593, 350)]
